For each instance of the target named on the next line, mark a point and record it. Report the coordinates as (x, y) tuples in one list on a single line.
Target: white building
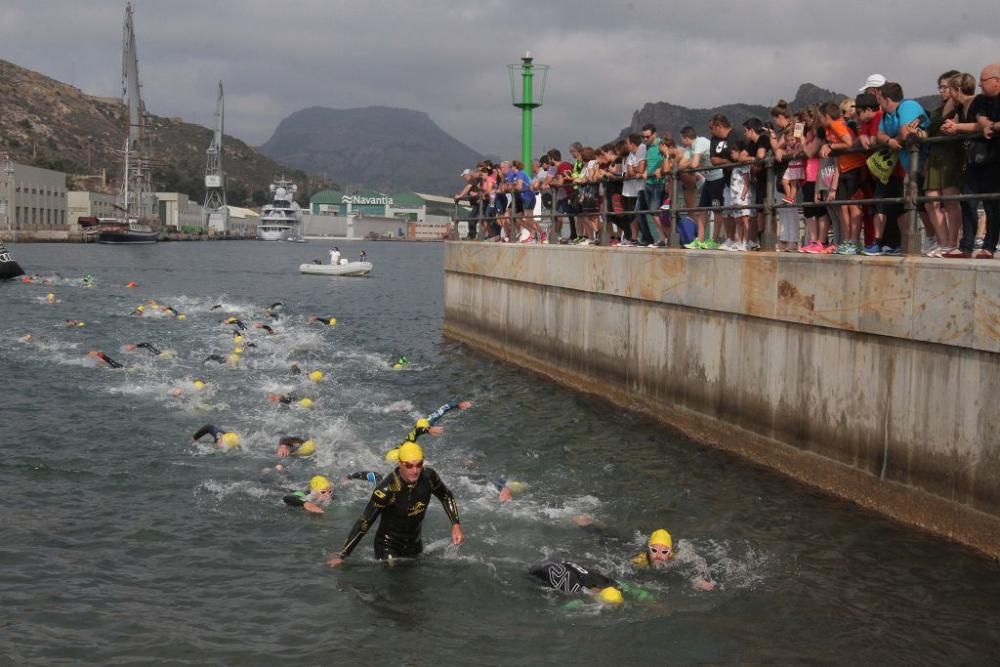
[(178, 213), (85, 204), (38, 200), (243, 222)]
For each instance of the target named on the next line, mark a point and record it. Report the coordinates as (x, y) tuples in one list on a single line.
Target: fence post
[(911, 241), (603, 234), (675, 194), (769, 242)]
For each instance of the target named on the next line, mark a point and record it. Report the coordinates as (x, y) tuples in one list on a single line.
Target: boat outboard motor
[(9, 268)]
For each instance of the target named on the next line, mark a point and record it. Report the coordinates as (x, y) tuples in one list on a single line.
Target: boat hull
[(349, 269), (127, 237), (9, 268)]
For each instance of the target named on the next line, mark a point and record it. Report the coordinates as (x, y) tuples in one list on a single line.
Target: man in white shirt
[(635, 166)]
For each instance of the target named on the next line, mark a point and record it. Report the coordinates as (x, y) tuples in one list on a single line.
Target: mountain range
[(47, 123), (381, 148)]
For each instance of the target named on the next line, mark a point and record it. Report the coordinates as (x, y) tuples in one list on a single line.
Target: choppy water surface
[(120, 541)]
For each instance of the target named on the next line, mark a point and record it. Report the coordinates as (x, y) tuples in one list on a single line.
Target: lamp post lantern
[(526, 101)]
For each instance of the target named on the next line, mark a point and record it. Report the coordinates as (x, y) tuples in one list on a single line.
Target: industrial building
[(35, 200)]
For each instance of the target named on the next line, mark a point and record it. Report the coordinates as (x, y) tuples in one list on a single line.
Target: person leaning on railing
[(985, 157), (944, 175), (962, 89)]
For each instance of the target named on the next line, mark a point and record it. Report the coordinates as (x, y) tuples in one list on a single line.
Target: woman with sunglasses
[(318, 496), (658, 554), (400, 503)]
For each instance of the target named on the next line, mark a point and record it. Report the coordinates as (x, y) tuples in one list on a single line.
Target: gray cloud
[(449, 59)]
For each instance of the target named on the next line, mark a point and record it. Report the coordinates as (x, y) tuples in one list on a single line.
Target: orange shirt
[(839, 133)]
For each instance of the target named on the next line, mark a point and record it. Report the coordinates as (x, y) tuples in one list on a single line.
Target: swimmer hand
[(505, 495), (283, 451), (313, 507), (335, 560), (457, 536), (465, 405), (704, 585), (436, 430)]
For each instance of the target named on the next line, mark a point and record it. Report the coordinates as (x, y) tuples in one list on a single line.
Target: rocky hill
[(50, 124), (381, 148), (673, 117)]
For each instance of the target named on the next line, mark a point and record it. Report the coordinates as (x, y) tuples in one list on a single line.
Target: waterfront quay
[(869, 378)]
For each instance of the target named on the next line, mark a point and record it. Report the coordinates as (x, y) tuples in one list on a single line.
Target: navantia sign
[(362, 200)]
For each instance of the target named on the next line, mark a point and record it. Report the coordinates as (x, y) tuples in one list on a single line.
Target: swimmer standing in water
[(97, 354), (400, 503)]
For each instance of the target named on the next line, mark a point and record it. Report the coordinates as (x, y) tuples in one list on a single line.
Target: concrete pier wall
[(872, 378)]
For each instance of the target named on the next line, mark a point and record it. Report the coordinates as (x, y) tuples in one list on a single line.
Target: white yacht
[(282, 217)]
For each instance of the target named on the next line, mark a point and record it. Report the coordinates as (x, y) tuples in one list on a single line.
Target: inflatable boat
[(345, 268)]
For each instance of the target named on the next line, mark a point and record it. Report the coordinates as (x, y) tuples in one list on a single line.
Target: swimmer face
[(659, 554), (410, 470)]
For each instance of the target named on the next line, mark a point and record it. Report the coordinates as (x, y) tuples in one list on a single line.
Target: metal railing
[(910, 200)]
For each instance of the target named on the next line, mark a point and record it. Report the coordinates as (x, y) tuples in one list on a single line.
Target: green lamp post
[(533, 76)]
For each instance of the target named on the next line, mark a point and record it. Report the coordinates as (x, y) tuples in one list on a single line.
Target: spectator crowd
[(825, 161)]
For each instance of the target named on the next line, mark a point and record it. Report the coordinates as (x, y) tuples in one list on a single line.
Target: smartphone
[(799, 131)]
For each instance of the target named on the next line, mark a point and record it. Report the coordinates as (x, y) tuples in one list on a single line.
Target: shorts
[(712, 193), (808, 195), (527, 201), (795, 171), (519, 205), (849, 184), (501, 204), (730, 201)]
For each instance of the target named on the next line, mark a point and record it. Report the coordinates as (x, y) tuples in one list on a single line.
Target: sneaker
[(661, 244), (595, 241), (872, 250), (827, 249), (979, 244), (694, 245), (710, 244), (742, 246), (752, 245), (583, 242), (625, 243), (956, 253), (813, 248), (929, 243), (728, 245), (891, 252), (844, 249), (984, 254), (787, 200)]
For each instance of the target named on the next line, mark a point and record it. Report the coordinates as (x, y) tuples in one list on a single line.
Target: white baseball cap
[(874, 81), (466, 172)]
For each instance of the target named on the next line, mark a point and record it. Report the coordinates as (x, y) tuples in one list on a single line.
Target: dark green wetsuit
[(400, 508)]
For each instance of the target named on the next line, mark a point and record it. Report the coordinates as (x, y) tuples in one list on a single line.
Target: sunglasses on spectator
[(410, 465)]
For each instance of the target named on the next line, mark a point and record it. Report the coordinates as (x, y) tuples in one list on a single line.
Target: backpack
[(687, 231)]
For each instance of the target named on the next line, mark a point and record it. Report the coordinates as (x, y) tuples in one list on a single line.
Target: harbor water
[(122, 542)]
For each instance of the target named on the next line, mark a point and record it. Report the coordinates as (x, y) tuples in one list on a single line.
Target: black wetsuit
[(370, 475), (293, 442), (235, 320), (217, 306), (108, 360), (326, 320), (286, 399), (569, 577), (295, 370), (172, 311), (266, 328), (209, 429), (215, 357), (152, 350), (400, 508), (432, 419)]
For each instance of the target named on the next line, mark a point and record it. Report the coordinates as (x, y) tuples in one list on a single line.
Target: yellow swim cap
[(140, 308), (516, 487), (661, 537), (316, 376), (230, 440), (319, 483), (332, 321), (306, 402), (423, 423), (81, 324), (396, 367), (410, 451), (182, 316), (199, 384), (611, 595), (233, 358), (50, 296), (237, 338), (392, 455), (306, 448), (167, 354)]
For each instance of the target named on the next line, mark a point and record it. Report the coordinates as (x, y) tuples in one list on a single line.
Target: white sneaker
[(728, 245), (525, 235), (753, 245), (930, 243)]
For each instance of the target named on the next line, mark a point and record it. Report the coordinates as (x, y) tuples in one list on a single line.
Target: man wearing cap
[(400, 503)]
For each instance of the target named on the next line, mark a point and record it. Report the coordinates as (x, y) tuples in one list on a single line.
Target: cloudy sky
[(448, 58)]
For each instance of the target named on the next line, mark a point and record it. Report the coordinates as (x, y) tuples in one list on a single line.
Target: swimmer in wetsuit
[(658, 554), (570, 578), (220, 436), (427, 424), (97, 354), (284, 399), (274, 310), (370, 475), (75, 323), (318, 496), (329, 321), (266, 327), (293, 445), (400, 502), (146, 346), (237, 321), (215, 357)]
